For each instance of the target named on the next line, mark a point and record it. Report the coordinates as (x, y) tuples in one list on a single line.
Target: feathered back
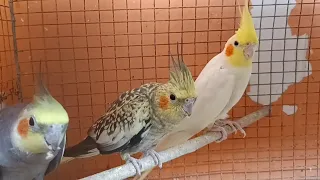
[(180, 76), (246, 31), (48, 109)]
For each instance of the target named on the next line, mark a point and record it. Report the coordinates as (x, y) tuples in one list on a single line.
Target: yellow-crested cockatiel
[(219, 87)]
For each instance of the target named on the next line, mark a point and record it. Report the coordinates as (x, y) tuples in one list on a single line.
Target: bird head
[(240, 48), (42, 124), (176, 98)]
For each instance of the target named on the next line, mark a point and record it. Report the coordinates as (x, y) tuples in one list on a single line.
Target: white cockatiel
[(219, 86)]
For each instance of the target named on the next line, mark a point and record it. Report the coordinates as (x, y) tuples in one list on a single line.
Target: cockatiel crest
[(180, 73), (176, 93), (246, 31), (240, 47)]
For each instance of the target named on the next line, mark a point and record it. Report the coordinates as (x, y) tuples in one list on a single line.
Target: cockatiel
[(219, 87), (139, 118), (33, 137)]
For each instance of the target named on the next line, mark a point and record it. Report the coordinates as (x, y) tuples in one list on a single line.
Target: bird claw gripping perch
[(155, 156), (234, 125), (220, 129), (135, 162), (217, 127)]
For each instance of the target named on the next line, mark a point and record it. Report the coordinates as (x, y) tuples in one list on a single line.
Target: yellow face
[(30, 140), (37, 132), (240, 47), (174, 104), (175, 99), (239, 54)]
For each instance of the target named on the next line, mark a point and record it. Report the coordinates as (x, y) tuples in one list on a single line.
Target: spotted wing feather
[(127, 120)]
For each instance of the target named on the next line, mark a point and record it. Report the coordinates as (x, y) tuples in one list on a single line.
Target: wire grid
[(95, 49), (7, 64)]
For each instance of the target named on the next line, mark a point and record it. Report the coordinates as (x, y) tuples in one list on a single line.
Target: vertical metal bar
[(15, 49)]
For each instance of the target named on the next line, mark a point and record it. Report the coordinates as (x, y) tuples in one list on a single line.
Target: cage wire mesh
[(95, 49), (8, 76)]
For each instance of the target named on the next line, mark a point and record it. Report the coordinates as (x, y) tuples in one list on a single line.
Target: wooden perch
[(127, 170)]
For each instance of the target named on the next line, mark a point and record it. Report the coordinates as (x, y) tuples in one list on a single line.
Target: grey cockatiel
[(33, 137), (139, 118)]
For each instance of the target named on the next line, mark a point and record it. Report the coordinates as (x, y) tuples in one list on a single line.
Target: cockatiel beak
[(187, 107), (249, 50), (54, 136)]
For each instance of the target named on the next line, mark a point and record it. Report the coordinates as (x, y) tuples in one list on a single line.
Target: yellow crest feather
[(246, 32), (46, 108), (180, 76)]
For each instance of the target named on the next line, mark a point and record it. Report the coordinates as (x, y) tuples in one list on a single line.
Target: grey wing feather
[(54, 163)]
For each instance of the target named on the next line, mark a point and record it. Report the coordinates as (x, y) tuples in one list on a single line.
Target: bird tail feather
[(86, 148)]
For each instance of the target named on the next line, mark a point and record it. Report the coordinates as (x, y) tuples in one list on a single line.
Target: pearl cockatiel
[(140, 118), (33, 137), (219, 86)]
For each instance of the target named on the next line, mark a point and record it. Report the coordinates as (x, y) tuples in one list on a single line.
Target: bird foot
[(220, 129), (135, 162), (155, 156), (234, 125)]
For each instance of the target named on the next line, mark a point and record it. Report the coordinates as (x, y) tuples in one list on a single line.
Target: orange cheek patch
[(164, 102), (23, 127), (229, 50)]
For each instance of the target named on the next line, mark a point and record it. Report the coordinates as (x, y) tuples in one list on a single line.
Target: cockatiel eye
[(31, 121), (173, 97), (236, 43)]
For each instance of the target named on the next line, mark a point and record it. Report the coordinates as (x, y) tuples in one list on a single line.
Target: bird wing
[(127, 121), (54, 163)]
